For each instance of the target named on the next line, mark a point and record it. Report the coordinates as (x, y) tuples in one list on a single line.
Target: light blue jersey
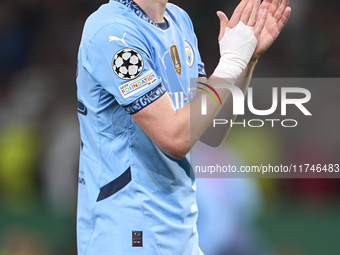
[(133, 199)]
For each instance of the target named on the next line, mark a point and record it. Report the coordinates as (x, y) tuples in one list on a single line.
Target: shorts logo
[(189, 54), (132, 87), (175, 58), (127, 64), (137, 238)]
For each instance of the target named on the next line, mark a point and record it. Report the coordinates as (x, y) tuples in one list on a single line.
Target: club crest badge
[(175, 59), (189, 54)]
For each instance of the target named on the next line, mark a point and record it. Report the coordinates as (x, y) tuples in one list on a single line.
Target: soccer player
[(135, 63)]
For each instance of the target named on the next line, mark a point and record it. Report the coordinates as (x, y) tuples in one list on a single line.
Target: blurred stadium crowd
[(39, 137)]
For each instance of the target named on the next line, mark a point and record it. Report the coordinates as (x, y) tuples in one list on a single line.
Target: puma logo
[(114, 38)]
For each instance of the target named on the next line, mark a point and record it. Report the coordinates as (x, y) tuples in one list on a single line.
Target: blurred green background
[(39, 137)]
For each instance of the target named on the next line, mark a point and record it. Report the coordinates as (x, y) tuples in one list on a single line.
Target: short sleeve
[(201, 68), (118, 59)]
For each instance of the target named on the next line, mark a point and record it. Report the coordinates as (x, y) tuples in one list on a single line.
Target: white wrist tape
[(236, 47)]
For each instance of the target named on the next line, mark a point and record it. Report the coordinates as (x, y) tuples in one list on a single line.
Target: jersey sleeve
[(119, 60)]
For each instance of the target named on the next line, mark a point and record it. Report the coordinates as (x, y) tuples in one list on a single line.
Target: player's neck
[(155, 9)]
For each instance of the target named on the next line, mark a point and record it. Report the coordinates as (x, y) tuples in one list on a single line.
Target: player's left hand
[(278, 15)]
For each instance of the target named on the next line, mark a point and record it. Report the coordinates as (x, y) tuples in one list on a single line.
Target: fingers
[(274, 6), (247, 12), (266, 4), (267, 1), (237, 14), (260, 24), (283, 21), (279, 13), (276, 3), (223, 24), (255, 13)]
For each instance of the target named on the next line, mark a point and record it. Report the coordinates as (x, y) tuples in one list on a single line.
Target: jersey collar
[(138, 11)]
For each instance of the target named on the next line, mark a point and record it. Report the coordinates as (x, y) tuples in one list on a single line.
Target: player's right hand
[(238, 38), (248, 12)]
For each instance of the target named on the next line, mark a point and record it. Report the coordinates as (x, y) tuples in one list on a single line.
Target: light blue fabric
[(160, 198)]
